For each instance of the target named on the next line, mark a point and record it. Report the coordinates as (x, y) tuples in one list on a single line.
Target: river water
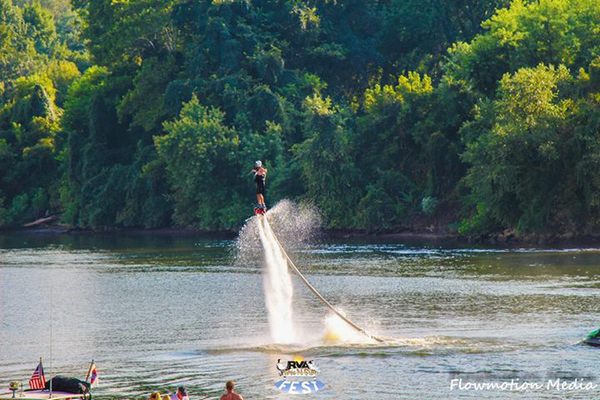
[(159, 311)]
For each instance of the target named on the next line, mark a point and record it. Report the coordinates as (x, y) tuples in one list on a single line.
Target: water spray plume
[(295, 226), (278, 289), (257, 245)]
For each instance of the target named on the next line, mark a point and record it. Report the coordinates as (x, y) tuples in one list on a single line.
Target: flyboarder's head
[(229, 386), (258, 164)]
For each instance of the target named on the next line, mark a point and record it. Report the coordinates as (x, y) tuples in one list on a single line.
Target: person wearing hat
[(181, 394), (260, 174)]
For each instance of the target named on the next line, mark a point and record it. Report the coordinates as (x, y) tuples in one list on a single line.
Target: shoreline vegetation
[(407, 235), (477, 119)]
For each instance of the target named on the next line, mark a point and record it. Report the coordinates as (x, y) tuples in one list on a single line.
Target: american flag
[(38, 380)]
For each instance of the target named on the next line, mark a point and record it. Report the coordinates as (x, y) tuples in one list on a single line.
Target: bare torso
[(260, 171), (231, 396)]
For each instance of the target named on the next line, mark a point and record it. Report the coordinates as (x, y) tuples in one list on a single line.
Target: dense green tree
[(36, 71), (525, 34), (41, 28), (28, 133), (525, 153), (384, 114), (331, 177), (13, 42), (200, 153), (416, 33)]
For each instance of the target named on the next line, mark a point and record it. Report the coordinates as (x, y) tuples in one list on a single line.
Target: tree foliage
[(149, 113)]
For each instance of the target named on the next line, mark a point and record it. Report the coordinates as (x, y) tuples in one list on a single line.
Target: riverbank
[(503, 239), (424, 236)]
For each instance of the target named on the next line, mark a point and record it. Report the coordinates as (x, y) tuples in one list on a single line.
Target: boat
[(592, 341), (57, 388), (43, 394)]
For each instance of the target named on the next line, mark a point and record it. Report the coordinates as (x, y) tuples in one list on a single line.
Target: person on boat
[(260, 174), (231, 394), (181, 394)]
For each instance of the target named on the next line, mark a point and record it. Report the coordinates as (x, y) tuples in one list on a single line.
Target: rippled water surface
[(157, 312)]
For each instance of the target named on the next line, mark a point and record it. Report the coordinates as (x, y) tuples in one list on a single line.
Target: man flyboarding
[(260, 174)]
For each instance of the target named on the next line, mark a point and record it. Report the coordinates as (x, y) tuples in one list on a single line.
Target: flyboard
[(261, 214)]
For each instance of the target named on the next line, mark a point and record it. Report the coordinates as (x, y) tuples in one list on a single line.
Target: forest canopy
[(471, 116)]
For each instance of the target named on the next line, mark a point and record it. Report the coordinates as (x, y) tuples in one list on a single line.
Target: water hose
[(316, 293)]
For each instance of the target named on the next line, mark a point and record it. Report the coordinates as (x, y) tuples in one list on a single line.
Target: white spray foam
[(337, 331), (278, 286)]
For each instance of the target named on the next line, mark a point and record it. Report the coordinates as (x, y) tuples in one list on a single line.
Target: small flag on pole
[(93, 374), (38, 380)]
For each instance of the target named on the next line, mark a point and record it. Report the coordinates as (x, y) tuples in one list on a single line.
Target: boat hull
[(42, 394)]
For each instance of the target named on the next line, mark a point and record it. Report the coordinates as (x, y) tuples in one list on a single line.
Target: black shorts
[(260, 187)]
